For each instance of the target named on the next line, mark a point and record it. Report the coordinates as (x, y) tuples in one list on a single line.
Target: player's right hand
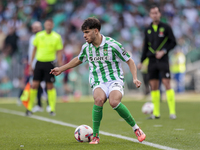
[(137, 83), (56, 71)]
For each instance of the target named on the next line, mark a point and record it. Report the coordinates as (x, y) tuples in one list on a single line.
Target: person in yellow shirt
[(47, 44), (177, 68)]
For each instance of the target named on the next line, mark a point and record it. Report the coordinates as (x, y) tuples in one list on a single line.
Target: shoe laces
[(95, 138), (138, 132)]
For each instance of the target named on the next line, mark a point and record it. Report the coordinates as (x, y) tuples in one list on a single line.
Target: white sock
[(135, 127)]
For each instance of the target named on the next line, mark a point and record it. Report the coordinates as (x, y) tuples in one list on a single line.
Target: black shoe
[(28, 113), (153, 117), (52, 113)]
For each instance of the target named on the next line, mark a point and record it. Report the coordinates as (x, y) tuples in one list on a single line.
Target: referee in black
[(158, 41)]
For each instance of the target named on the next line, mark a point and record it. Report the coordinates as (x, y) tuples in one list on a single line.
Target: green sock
[(96, 118), (33, 94), (52, 98), (171, 101), (155, 95), (125, 114)]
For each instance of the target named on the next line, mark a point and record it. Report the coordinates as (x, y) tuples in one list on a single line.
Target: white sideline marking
[(75, 126), (179, 129), (157, 125), (121, 119)]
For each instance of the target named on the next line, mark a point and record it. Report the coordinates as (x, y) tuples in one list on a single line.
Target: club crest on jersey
[(105, 52), (161, 32), (149, 31), (90, 51), (99, 58)]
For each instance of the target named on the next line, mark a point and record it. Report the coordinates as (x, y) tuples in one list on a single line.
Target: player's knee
[(35, 85), (99, 101), (50, 86), (167, 85), (113, 103)]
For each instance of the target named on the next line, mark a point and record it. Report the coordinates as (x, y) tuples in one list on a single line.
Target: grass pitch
[(25, 133)]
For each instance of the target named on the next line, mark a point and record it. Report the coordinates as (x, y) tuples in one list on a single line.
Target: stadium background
[(125, 21)]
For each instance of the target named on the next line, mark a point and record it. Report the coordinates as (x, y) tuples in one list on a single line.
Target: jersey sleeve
[(83, 55), (145, 47), (171, 43), (121, 52), (35, 41), (59, 45)]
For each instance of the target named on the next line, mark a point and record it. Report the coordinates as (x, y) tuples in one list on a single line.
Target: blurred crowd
[(122, 20)]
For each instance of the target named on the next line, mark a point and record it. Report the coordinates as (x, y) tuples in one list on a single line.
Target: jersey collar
[(103, 40)]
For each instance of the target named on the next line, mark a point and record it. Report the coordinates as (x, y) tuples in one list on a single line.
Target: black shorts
[(158, 69), (42, 70)]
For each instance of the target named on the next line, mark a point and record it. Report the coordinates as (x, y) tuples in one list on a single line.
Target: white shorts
[(108, 87)]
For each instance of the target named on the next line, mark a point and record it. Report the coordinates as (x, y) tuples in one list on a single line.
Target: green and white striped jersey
[(104, 61)]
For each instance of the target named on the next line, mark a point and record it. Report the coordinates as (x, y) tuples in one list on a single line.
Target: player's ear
[(96, 30)]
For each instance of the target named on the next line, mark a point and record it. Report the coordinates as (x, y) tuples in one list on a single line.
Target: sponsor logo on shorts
[(167, 74), (52, 79), (116, 85)]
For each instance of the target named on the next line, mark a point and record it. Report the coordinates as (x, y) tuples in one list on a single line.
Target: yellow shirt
[(155, 27), (47, 45), (178, 61)]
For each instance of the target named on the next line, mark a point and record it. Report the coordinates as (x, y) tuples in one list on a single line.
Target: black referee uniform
[(162, 39)]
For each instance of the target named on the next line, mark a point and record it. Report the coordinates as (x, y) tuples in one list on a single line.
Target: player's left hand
[(160, 54), (137, 83)]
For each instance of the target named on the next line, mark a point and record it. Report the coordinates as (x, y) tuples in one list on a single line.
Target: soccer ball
[(147, 108), (83, 133)]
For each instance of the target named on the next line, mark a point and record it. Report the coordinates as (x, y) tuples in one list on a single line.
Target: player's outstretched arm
[(73, 63), (133, 70)]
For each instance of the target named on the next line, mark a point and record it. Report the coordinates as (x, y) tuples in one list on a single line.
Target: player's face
[(36, 29), (48, 25), (155, 14), (89, 35)]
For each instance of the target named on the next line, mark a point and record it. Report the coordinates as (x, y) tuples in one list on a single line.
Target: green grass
[(38, 135)]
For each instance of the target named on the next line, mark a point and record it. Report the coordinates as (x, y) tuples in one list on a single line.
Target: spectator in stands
[(2, 38), (11, 42), (178, 68), (5, 86)]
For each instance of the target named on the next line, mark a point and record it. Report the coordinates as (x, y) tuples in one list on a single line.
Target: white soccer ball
[(147, 108), (83, 133)]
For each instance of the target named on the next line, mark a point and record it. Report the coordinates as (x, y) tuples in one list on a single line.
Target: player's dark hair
[(91, 23), (154, 6), (49, 19)]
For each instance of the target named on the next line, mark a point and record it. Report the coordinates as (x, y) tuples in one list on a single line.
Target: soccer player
[(104, 56), (47, 44), (159, 40)]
